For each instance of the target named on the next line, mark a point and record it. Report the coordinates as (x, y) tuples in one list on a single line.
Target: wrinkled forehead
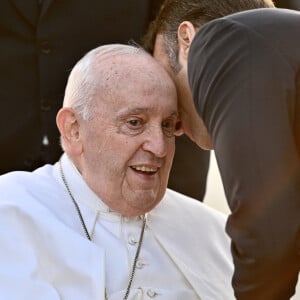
[(136, 81), (130, 73), (130, 68)]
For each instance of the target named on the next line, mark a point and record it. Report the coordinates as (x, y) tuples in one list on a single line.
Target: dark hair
[(173, 12)]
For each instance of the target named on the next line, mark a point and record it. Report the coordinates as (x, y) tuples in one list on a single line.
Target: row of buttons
[(133, 242)]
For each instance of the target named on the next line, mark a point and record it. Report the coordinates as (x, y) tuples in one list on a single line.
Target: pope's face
[(129, 142)]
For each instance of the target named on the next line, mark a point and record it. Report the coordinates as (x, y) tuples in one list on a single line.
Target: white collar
[(79, 188), (90, 204)]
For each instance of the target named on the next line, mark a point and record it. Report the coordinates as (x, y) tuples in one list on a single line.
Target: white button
[(45, 141), (151, 294), (132, 241), (140, 264)]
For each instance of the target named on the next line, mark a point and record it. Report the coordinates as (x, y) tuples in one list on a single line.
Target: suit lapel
[(29, 9), (45, 6)]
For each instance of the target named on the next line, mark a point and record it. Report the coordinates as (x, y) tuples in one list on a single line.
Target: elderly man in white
[(101, 223)]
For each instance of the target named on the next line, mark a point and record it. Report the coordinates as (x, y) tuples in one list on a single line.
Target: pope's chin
[(142, 201)]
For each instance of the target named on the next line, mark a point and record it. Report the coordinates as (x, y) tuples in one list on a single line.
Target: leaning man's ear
[(68, 125), (186, 33)]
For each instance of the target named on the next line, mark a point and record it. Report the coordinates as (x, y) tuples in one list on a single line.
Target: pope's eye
[(132, 125), (134, 122), (169, 127)]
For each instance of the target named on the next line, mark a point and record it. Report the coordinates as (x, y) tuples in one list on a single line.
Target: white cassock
[(44, 254)]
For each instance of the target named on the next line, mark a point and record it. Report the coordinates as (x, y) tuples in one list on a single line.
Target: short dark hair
[(173, 12)]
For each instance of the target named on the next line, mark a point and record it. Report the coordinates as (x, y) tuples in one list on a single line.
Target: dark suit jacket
[(244, 71), (38, 47)]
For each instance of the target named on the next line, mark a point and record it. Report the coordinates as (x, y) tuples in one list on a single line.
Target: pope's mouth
[(145, 170)]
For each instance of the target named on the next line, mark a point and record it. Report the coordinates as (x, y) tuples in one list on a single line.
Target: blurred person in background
[(40, 41)]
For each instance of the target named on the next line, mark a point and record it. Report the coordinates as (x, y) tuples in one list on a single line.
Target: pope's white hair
[(84, 80)]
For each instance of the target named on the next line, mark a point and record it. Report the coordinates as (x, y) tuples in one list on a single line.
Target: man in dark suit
[(244, 72)]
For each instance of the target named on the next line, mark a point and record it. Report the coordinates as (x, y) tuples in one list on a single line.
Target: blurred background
[(292, 4)]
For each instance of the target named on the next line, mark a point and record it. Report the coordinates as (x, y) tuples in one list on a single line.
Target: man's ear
[(68, 125), (186, 33)]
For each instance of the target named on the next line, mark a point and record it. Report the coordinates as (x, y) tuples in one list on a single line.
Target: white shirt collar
[(79, 188), (90, 204)]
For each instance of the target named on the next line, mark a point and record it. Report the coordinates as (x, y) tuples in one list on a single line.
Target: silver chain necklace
[(132, 273)]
